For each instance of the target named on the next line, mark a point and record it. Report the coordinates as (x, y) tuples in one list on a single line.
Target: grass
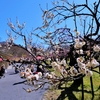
[(68, 93)]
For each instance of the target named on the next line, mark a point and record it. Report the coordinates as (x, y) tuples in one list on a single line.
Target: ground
[(71, 92), (50, 95)]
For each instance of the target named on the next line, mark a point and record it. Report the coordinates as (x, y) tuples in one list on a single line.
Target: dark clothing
[(2, 71), (40, 70)]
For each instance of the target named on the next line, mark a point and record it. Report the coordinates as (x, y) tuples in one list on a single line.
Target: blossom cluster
[(84, 65)]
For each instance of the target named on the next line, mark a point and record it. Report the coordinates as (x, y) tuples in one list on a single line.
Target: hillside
[(13, 52)]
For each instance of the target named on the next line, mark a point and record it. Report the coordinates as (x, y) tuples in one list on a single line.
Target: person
[(16, 69), (2, 71)]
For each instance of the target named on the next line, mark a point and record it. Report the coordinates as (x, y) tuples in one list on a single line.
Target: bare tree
[(76, 25), (67, 24)]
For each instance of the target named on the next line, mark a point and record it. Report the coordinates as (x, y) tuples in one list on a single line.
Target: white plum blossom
[(82, 70), (49, 59), (88, 53), (94, 63), (8, 48), (80, 64), (22, 74), (40, 66), (48, 75), (40, 74), (49, 15), (29, 47), (96, 48), (58, 67), (53, 75), (53, 64), (79, 51), (12, 26), (80, 59), (73, 71), (88, 64), (77, 33), (29, 78), (58, 62), (63, 62), (77, 40), (79, 44), (89, 73), (57, 52)]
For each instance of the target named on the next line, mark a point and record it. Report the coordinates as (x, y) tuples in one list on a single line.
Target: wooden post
[(82, 90), (99, 70), (91, 82)]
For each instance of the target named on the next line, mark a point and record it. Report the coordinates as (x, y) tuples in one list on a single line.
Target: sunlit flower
[(94, 63), (96, 48), (57, 61), (77, 33), (80, 62), (48, 75), (49, 59), (49, 15), (53, 74), (58, 67), (79, 45), (28, 77), (63, 62), (39, 74), (88, 53), (40, 66), (88, 64), (54, 64), (29, 46), (79, 51), (57, 52), (73, 71), (27, 70), (12, 26), (36, 76), (89, 73), (76, 40), (22, 74), (80, 59), (8, 47), (46, 23), (82, 70)]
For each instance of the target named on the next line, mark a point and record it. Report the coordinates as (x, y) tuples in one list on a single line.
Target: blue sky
[(26, 10)]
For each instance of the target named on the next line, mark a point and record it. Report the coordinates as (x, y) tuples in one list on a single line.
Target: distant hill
[(13, 52), (3, 42)]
